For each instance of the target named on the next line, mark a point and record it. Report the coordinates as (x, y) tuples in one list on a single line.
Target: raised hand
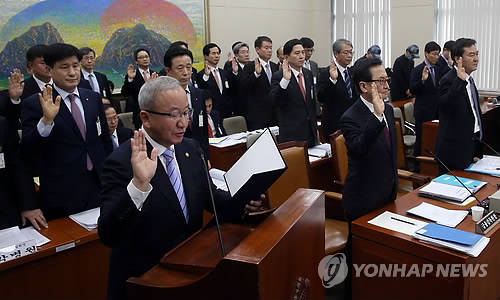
[(258, 66), (49, 107), (153, 76), (461, 70), (230, 56), (425, 73), (234, 65), (16, 84), (287, 72), (131, 72), (207, 69), (333, 70), (377, 101), (144, 168)]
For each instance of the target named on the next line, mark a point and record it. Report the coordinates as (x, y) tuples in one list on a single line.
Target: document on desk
[(15, 243), (441, 191), (322, 150), (440, 215), (472, 184), (87, 219), (256, 170), (396, 222), (489, 164), (218, 178)]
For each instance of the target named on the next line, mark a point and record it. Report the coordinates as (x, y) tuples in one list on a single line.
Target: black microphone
[(448, 169), (209, 182), (475, 138)]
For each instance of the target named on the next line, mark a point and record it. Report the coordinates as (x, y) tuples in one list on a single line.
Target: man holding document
[(153, 196)]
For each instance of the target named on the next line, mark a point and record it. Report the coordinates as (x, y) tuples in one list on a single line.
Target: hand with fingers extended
[(16, 84), (153, 76), (287, 72), (35, 217), (333, 70), (131, 72), (144, 168), (377, 101), (460, 69), (50, 108), (234, 65), (425, 73), (207, 69), (258, 66)]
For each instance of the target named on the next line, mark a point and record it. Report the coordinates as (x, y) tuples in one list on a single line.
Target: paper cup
[(477, 213)]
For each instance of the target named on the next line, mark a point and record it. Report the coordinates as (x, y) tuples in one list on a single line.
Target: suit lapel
[(184, 160)]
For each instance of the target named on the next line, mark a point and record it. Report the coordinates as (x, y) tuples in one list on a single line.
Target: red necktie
[(301, 86), (210, 132)]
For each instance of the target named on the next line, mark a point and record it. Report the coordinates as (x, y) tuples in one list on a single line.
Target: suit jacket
[(124, 134), (102, 80), (222, 101), (238, 93), (454, 144), (195, 131), (262, 109), (297, 118), (426, 94), (219, 128), (443, 66), (140, 238), (63, 165), (372, 165), (400, 80), (30, 88), (131, 91), (335, 99)]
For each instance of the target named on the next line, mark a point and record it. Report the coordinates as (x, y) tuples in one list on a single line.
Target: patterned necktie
[(301, 86), (77, 116), (175, 180), (268, 72), (145, 74), (477, 109), (433, 75), (115, 142), (348, 83), (92, 85)]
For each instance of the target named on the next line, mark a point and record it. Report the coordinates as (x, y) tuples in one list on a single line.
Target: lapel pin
[(86, 99), (187, 154)]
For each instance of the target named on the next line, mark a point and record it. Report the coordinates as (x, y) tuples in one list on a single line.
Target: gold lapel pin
[(187, 154), (86, 99)]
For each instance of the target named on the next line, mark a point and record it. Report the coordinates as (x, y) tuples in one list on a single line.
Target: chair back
[(126, 119), (235, 124), (401, 146), (339, 156), (408, 109), (296, 175), (398, 114)]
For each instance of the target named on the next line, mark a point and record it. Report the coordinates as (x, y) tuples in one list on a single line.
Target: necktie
[(115, 142), (145, 74), (477, 109), (175, 180), (348, 83), (387, 135), (210, 131), (92, 85), (217, 80), (77, 116), (433, 75), (301, 86), (268, 72)]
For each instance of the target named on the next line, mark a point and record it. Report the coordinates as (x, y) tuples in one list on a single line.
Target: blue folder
[(471, 184), (449, 234)]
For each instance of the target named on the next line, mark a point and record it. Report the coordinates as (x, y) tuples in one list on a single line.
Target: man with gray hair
[(335, 89), (152, 196)]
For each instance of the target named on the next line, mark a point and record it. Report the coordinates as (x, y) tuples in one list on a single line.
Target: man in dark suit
[(67, 126), (336, 90), (401, 70), (134, 80), (118, 134), (460, 130), (312, 66), (194, 76), (256, 82), (178, 63), (92, 80), (292, 90), (216, 128), (424, 84), (235, 65), (217, 81), (153, 196), (445, 62)]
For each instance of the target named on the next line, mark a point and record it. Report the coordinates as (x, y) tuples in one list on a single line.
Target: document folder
[(449, 234)]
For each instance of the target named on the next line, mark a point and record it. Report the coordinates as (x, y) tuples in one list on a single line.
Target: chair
[(126, 119), (409, 115), (235, 124), (122, 104), (408, 132), (251, 138)]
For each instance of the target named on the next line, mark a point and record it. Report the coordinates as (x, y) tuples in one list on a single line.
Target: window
[(364, 23), (480, 20)]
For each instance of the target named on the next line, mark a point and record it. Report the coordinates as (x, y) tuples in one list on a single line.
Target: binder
[(445, 233), (473, 185), (256, 170)]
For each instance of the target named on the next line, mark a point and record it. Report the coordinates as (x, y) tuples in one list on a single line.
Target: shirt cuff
[(138, 196), (44, 130), (256, 75), (205, 77), (284, 83), (15, 101), (333, 81)]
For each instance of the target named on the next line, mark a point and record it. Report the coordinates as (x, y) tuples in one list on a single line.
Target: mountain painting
[(113, 28)]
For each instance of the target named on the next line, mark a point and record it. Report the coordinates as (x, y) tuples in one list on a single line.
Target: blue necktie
[(475, 101), (433, 75), (348, 83), (175, 180), (268, 72)]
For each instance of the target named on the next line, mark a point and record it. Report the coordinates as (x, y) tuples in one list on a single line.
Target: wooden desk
[(321, 170), (376, 245), (74, 265)]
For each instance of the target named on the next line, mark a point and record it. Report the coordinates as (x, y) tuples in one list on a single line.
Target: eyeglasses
[(115, 118), (175, 114), (91, 58), (381, 81)]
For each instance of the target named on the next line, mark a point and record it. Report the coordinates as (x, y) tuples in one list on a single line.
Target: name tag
[(200, 119), (98, 125), (196, 85), (2, 161), (314, 80), (105, 96), (227, 84)]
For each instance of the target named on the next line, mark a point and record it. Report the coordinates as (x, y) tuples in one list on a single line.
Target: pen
[(403, 221)]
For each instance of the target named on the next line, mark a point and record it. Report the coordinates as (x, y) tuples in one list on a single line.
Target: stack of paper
[(443, 216), (15, 243), (399, 223), (466, 242), (87, 219), (471, 184), (322, 150), (487, 165), (218, 178), (441, 191)]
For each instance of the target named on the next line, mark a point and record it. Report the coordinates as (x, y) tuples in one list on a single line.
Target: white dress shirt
[(471, 102), (341, 69), (216, 74), (372, 110), (95, 83), (284, 83)]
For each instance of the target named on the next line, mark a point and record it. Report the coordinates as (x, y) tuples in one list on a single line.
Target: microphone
[(475, 138), (448, 169), (209, 182)]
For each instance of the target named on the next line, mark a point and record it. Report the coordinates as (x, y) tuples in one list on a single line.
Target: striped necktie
[(348, 82), (175, 180)]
